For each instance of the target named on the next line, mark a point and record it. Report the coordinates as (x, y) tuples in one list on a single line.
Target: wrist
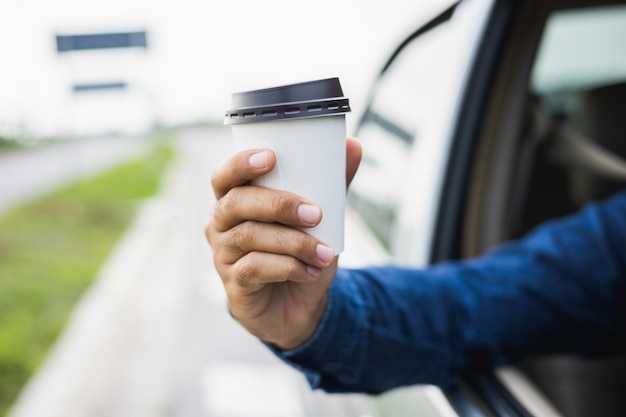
[(307, 331)]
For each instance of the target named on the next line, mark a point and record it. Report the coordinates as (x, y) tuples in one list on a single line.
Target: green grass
[(51, 250), (7, 144)]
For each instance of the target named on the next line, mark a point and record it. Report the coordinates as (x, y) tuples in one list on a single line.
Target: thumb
[(354, 153)]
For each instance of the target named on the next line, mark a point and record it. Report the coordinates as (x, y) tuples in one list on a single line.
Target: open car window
[(574, 75), (579, 79)]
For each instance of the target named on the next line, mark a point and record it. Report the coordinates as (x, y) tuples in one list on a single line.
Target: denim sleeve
[(560, 289)]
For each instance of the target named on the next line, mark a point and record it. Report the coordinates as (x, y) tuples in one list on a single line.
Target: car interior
[(553, 140)]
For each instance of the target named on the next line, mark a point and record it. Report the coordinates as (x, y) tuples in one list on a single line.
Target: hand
[(276, 277)]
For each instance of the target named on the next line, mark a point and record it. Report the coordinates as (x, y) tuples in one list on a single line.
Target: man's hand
[(276, 277)]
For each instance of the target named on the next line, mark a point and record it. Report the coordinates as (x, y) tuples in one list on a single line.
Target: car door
[(550, 140), (453, 165), (410, 135)]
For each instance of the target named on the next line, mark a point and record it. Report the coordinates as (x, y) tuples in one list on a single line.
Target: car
[(490, 118)]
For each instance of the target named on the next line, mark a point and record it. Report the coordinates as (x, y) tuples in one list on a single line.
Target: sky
[(199, 53)]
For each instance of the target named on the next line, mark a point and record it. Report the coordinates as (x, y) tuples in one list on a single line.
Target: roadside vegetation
[(7, 144), (50, 252)]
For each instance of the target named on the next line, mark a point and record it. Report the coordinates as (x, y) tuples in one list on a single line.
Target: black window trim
[(425, 28), (446, 244), (386, 124)]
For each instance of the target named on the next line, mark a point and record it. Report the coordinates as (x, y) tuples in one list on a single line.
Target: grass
[(50, 252), (7, 144)]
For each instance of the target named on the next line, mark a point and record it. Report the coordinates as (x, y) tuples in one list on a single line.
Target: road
[(152, 336), (29, 173)]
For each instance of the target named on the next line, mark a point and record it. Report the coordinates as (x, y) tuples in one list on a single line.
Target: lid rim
[(290, 104), (296, 110)]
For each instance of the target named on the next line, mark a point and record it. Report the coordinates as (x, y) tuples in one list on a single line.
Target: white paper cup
[(304, 124)]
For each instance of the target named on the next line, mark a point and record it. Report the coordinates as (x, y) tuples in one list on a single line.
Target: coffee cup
[(304, 124)]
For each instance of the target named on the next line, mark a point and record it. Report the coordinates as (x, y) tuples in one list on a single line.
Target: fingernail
[(324, 253), (313, 271), (309, 214), (258, 160)]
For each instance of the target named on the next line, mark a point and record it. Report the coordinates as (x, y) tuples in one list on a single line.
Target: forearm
[(366, 336), (560, 289)]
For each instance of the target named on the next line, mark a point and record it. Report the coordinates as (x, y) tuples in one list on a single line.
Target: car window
[(406, 99), (580, 78), (581, 49)]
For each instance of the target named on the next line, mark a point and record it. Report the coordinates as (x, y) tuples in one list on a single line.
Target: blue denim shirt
[(560, 289)]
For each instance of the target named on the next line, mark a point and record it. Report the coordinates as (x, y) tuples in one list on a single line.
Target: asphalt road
[(152, 336), (29, 173)]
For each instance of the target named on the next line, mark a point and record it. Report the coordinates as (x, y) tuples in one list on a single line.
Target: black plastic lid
[(294, 101)]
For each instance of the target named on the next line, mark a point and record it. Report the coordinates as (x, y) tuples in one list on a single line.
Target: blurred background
[(110, 124), (185, 60)]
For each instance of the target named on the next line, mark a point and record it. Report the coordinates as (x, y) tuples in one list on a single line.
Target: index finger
[(240, 168)]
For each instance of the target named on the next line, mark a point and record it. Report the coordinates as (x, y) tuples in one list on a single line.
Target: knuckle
[(302, 242), (225, 206), (281, 204), (233, 241), (248, 233), (248, 269), (293, 241), (218, 210), (226, 203), (293, 267)]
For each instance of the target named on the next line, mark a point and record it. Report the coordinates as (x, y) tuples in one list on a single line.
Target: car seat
[(601, 116)]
